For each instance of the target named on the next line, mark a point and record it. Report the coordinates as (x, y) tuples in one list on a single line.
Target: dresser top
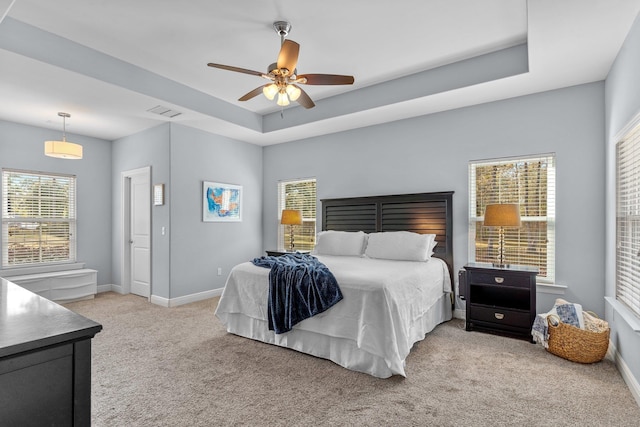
[(29, 321)]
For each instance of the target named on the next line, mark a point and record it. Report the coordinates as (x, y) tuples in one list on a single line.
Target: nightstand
[(274, 252), (500, 300)]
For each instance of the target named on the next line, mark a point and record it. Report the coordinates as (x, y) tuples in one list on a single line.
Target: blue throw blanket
[(567, 312), (300, 286)]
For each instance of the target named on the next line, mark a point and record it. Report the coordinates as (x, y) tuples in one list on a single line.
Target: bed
[(388, 304)]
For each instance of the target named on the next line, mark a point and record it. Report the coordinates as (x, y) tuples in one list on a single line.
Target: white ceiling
[(108, 62)]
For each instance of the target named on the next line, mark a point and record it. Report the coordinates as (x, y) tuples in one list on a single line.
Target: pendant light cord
[(64, 125)]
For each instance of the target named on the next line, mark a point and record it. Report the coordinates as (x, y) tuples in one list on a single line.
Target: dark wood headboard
[(424, 213)]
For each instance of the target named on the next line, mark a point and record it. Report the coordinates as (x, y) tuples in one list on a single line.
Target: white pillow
[(400, 245), (349, 243)]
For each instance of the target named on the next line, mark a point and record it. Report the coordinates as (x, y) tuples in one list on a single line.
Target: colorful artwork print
[(221, 202)]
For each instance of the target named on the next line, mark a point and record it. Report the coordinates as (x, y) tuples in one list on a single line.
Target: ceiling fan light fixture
[(270, 91), (284, 74), (283, 99), (293, 92), (63, 149)]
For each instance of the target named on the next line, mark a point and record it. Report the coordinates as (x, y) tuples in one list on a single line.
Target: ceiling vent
[(164, 111)]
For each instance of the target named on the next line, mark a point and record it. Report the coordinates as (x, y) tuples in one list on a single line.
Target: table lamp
[(291, 217), (502, 215)]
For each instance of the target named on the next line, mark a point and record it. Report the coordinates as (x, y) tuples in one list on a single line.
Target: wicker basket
[(587, 345)]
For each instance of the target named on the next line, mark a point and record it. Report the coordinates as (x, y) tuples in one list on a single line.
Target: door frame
[(126, 228)]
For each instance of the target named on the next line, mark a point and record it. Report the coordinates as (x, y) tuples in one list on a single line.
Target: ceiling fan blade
[(304, 99), (327, 79), (236, 69), (288, 56), (257, 91)]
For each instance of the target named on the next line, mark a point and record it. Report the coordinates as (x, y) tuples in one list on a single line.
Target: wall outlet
[(219, 271)]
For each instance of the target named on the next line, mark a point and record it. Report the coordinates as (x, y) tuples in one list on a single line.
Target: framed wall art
[(221, 202)]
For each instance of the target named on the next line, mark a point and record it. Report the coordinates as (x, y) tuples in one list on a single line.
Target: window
[(628, 220), (530, 182), (298, 194), (38, 218)]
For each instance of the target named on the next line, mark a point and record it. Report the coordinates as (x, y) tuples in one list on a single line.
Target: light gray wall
[(622, 106), (198, 248), (186, 258), (148, 148), (431, 153), (22, 147)]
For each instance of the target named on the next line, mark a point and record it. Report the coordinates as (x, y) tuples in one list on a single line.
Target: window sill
[(21, 271), (632, 320), (550, 288)]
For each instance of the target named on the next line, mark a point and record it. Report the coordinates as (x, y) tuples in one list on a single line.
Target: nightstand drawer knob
[(499, 316), (499, 279)]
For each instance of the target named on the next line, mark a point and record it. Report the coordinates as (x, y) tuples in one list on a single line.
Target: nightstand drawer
[(499, 315), (500, 278)]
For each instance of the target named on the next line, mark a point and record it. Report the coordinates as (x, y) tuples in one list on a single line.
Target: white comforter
[(385, 310)]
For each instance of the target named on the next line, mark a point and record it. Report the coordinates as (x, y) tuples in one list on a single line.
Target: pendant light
[(63, 149)]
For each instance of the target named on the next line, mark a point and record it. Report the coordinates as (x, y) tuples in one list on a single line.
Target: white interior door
[(140, 234)]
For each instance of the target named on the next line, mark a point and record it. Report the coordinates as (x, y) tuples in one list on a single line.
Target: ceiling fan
[(284, 75)]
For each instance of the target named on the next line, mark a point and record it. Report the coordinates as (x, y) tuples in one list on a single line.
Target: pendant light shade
[(63, 149)]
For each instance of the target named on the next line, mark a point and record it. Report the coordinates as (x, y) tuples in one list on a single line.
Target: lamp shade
[(291, 217), (270, 91), (502, 215), (63, 149), (283, 99)]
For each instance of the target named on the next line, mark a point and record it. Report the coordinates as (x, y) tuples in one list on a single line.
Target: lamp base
[(498, 265)]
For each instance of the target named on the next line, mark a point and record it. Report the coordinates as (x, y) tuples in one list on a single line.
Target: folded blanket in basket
[(300, 286), (569, 313)]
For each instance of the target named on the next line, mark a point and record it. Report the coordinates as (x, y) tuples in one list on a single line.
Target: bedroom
[(577, 123)]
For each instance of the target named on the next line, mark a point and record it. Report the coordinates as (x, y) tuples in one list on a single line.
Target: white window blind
[(38, 218), (628, 220), (298, 194), (530, 182)]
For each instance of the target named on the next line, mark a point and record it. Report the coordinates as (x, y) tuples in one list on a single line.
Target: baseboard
[(625, 372), (111, 288), (107, 288), (459, 314), (161, 301), (174, 302), (167, 302), (631, 381)]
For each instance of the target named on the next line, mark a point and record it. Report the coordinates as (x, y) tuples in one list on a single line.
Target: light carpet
[(155, 366)]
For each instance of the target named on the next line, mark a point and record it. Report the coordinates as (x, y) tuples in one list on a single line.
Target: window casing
[(38, 218), (530, 182), (298, 194), (628, 220)]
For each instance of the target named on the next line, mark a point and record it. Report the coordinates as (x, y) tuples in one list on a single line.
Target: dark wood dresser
[(45, 361), (500, 300)]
